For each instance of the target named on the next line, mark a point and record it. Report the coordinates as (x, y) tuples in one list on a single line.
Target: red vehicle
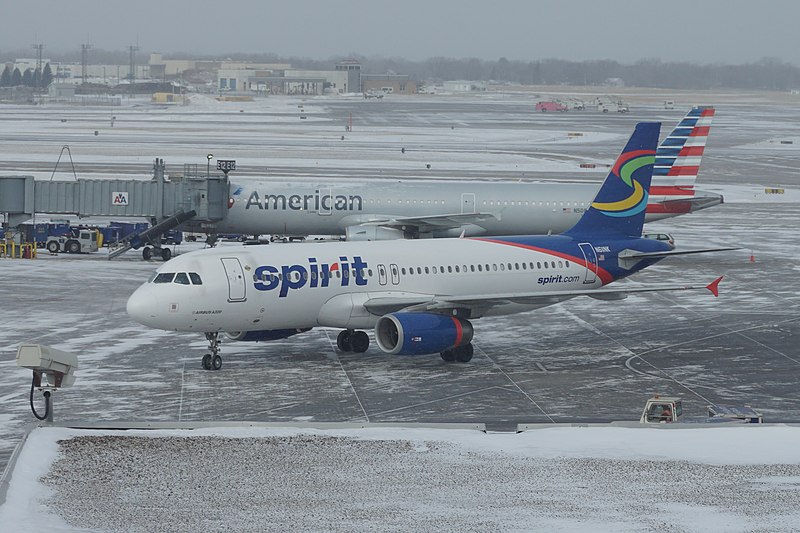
[(544, 107)]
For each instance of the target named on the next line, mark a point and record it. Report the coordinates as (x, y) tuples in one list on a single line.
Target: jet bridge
[(164, 201)]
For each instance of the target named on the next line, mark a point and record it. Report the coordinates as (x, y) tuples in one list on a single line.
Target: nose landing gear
[(212, 360)]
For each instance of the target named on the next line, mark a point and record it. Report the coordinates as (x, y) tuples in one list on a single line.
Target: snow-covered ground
[(376, 479), (537, 367)]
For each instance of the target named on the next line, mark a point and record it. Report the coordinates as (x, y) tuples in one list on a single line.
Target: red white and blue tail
[(678, 157)]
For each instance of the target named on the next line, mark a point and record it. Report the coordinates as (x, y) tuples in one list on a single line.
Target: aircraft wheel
[(207, 361), (52, 247), (344, 340), (359, 340), (147, 253), (166, 254), (216, 362), (448, 355), (464, 353)]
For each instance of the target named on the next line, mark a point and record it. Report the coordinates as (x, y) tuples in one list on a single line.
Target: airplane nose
[(141, 308)]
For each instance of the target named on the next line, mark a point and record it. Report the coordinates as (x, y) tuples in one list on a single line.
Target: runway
[(583, 360)]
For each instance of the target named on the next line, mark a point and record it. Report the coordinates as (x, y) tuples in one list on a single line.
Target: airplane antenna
[(463, 232)]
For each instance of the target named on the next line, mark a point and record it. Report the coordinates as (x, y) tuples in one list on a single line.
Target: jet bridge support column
[(17, 199)]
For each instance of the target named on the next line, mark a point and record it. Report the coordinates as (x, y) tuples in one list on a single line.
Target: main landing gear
[(212, 360), (165, 253), (462, 354), (352, 341)]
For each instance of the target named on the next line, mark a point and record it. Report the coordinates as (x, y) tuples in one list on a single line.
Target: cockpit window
[(195, 277), (181, 278), (164, 277)]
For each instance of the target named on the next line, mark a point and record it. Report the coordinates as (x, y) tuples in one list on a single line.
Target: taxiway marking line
[(514, 383), (437, 400), (180, 405), (349, 381)]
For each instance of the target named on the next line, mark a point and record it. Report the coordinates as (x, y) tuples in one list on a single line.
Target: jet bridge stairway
[(151, 236)]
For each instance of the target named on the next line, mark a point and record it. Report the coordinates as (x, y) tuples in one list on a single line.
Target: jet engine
[(263, 335), (421, 333)]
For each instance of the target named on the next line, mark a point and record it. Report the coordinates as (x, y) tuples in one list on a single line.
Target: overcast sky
[(704, 31)]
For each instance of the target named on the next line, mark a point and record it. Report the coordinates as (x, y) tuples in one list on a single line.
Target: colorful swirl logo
[(624, 168)]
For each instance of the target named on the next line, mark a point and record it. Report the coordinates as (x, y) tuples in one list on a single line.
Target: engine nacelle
[(263, 335), (421, 333)]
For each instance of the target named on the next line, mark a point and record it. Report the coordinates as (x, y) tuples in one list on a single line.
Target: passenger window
[(524, 266), (195, 277), (402, 271), (553, 264), (502, 267), (457, 270), (472, 268), (539, 265), (181, 278), (419, 270), (560, 264), (480, 268), (567, 263), (427, 270), (435, 271), (450, 269), (164, 277)]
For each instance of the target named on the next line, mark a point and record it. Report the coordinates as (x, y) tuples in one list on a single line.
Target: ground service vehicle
[(84, 241), (662, 410), (614, 107), (544, 107)]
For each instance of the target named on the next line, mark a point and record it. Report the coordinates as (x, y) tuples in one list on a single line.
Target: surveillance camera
[(54, 367)]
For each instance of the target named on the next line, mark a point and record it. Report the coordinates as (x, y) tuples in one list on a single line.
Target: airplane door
[(236, 286), (395, 274), (325, 201), (382, 274), (467, 203), (591, 262)]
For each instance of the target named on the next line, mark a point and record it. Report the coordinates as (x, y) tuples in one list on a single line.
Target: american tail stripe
[(679, 155)]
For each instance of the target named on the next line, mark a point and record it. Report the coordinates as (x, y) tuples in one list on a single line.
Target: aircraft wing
[(483, 302), (669, 253), (432, 222)]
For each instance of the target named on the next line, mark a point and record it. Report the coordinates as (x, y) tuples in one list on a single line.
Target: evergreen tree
[(16, 78), (5, 78), (36, 79), (47, 76), (27, 78)]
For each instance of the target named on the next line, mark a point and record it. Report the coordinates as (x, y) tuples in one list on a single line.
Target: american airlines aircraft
[(419, 295), (403, 209)]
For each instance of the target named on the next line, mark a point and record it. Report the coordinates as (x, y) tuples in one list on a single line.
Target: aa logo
[(119, 198)]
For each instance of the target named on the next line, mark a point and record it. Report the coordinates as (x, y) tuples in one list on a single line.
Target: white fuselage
[(305, 285), (307, 208)]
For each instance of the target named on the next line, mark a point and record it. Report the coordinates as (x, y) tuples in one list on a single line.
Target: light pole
[(208, 165)]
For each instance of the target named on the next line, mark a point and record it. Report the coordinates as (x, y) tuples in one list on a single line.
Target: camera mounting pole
[(52, 370)]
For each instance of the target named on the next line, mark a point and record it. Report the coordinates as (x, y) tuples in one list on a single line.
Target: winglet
[(714, 286)]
